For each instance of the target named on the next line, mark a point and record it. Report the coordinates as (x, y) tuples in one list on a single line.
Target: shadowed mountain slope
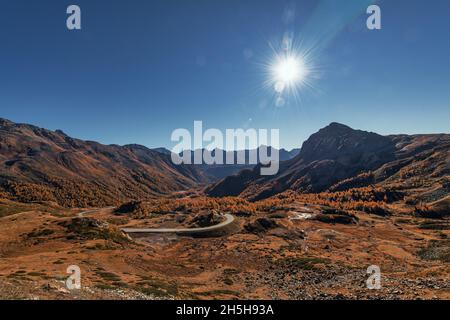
[(338, 157)]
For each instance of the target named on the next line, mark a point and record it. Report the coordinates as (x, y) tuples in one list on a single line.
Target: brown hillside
[(42, 165)]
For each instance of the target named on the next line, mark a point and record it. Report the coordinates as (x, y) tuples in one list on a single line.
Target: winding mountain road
[(184, 231), (82, 214), (229, 219)]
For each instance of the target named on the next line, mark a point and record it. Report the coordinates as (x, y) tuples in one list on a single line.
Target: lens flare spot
[(279, 86), (280, 102)]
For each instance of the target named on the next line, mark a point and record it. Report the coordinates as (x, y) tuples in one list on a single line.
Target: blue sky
[(140, 69)]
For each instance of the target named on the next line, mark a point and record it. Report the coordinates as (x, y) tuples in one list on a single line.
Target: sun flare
[(288, 71), (291, 70)]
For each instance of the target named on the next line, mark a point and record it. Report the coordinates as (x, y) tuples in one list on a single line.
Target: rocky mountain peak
[(339, 142)]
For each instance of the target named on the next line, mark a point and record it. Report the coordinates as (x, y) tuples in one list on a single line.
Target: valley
[(270, 255), (140, 227)]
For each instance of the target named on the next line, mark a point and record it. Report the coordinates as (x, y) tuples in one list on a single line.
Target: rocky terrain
[(349, 200), (287, 251), (338, 158)]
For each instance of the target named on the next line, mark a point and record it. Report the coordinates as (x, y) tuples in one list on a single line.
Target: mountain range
[(220, 171), (338, 158), (37, 164)]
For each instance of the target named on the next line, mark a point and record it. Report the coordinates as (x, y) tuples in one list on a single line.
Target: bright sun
[(288, 72)]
